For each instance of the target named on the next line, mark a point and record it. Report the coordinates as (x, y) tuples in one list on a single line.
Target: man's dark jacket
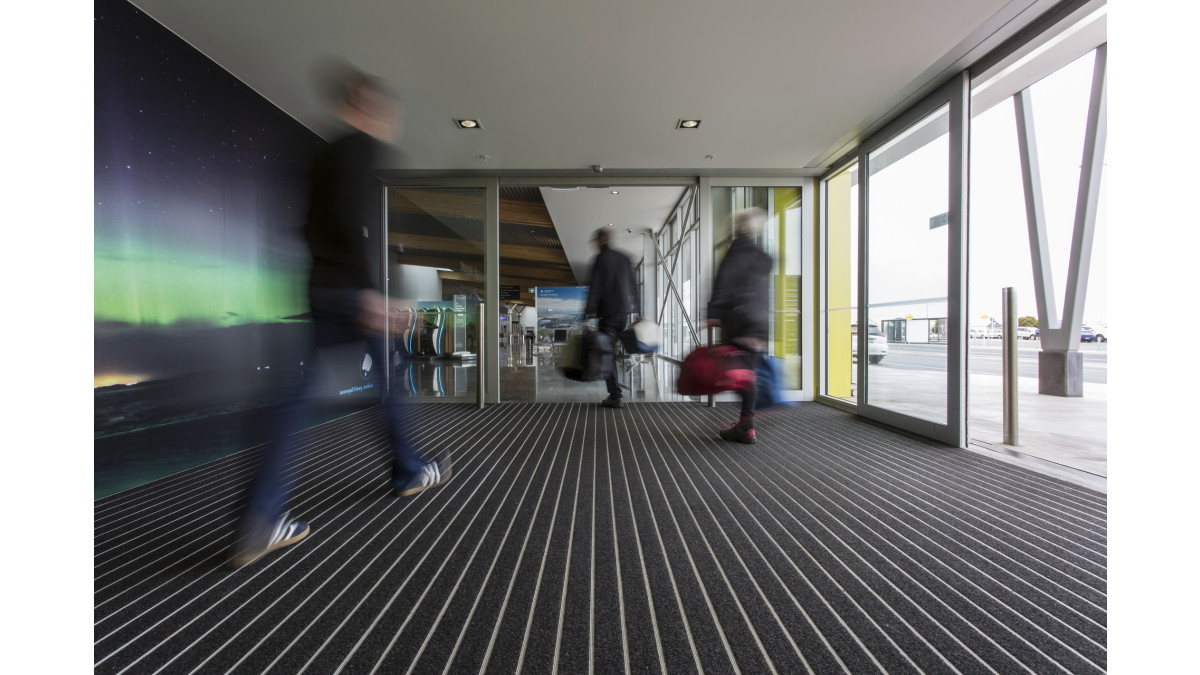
[(613, 290), (741, 296), (342, 229)]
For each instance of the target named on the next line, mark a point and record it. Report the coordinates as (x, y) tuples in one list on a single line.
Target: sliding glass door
[(437, 280), (894, 224)]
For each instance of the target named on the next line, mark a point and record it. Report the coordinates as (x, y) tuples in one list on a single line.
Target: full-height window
[(907, 235), (841, 286)]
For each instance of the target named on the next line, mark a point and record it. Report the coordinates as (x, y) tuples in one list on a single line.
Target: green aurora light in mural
[(147, 286)]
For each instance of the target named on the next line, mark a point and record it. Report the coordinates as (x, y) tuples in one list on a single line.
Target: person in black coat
[(740, 304), (612, 298), (347, 306)]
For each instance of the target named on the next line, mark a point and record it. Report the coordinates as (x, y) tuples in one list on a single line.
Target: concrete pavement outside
[(1070, 432)]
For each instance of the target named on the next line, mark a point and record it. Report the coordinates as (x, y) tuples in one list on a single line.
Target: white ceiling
[(561, 85), (783, 86), (634, 210)]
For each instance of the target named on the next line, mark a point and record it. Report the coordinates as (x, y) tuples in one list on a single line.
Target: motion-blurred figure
[(346, 303), (740, 304), (612, 297)]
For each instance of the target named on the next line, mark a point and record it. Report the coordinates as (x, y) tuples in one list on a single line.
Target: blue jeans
[(270, 490)]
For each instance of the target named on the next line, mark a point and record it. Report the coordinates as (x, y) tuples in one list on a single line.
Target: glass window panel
[(1060, 109), (781, 238), (999, 240), (841, 284), (782, 241), (908, 270), (436, 281)]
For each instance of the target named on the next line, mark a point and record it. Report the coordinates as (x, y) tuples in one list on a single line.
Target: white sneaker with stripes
[(285, 533), (432, 474)]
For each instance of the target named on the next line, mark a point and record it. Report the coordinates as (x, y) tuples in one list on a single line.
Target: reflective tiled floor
[(533, 376)]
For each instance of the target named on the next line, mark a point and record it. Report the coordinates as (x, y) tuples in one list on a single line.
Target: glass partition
[(781, 237), (677, 281), (436, 269)]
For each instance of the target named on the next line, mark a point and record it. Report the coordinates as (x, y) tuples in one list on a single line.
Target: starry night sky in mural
[(200, 265), (199, 185)]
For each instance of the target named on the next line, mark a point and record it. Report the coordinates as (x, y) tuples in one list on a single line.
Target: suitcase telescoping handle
[(712, 330)]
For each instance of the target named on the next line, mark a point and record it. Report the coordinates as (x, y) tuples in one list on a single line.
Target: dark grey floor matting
[(580, 539)]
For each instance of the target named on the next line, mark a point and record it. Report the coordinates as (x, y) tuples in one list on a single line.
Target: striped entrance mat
[(580, 539)]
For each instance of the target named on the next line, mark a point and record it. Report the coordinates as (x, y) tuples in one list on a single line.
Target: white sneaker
[(432, 474), (285, 533)]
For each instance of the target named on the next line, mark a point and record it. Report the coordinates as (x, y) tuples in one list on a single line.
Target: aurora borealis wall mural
[(200, 194)]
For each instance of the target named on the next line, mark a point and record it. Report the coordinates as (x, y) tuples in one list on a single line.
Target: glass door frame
[(955, 93), (490, 369), (616, 179), (807, 185), (489, 365)]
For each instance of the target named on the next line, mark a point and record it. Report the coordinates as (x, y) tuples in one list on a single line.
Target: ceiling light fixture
[(688, 124), (468, 124), (616, 192)]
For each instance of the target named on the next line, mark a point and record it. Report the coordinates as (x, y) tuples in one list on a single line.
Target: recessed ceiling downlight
[(468, 124), (688, 124)]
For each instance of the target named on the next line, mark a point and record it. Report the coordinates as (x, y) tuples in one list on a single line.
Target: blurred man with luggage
[(612, 298)]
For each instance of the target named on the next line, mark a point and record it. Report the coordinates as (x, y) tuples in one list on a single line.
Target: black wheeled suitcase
[(587, 357)]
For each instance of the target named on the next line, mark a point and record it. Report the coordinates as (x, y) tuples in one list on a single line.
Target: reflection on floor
[(436, 378), (532, 376), (528, 377)]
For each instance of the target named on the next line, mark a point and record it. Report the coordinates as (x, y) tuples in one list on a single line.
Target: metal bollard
[(1009, 363)]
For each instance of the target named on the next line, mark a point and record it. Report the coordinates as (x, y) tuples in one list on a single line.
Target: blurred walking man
[(740, 304), (347, 306), (612, 297)]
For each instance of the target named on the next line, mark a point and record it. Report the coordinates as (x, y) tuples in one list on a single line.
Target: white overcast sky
[(999, 234)]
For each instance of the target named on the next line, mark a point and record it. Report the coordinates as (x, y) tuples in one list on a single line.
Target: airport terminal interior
[(929, 494)]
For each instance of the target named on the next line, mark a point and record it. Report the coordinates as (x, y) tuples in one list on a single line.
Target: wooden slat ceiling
[(531, 253)]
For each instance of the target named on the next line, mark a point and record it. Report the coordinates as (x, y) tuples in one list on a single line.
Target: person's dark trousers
[(270, 489), (750, 393), (612, 327)]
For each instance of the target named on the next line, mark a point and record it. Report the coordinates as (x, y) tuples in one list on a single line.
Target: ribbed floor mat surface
[(575, 539)]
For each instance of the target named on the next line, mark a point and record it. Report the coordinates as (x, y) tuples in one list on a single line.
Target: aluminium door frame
[(956, 94), (489, 357), (822, 288)]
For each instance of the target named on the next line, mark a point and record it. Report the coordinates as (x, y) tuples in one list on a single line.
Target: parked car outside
[(877, 344), (1028, 333), (1089, 334)]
